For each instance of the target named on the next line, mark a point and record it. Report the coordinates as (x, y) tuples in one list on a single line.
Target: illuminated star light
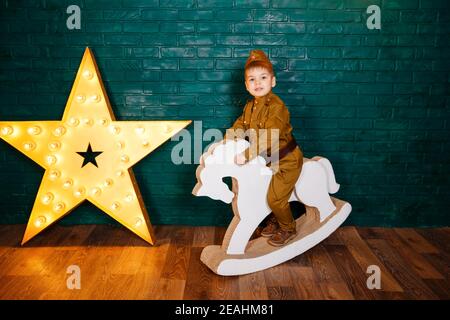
[(69, 177)]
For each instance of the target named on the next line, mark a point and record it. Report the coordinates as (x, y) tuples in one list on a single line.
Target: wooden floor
[(115, 264)]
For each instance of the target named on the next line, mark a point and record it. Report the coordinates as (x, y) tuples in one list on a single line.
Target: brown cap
[(258, 58)]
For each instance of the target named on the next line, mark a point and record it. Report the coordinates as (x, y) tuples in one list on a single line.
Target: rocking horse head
[(216, 163)]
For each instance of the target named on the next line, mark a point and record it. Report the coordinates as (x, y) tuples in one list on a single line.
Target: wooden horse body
[(238, 255)]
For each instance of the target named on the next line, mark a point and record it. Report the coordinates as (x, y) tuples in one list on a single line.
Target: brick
[(141, 27), (142, 100), (348, 65), (343, 16), (159, 39), (213, 27), (142, 75), (288, 52), (325, 4), (178, 27), (254, 27), (292, 77), (228, 88), (270, 15), (103, 27), (288, 28), (178, 52), (133, 14), (324, 28), (197, 64), (177, 3), (289, 4), (137, 52), (322, 76), (305, 64), (204, 52), (128, 3), (196, 15), (333, 40), (360, 53), (233, 40), (375, 88), (196, 40), (401, 4), (333, 88), (307, 15), (196, 88), (178, 100), (159, 88), (378, 65), (324, 53), (235, 64), (156, 15), (396, 77), (269, 40), (305, 40), (233, 15), (214, 4), (124, 64), (163, 64), (252, 3), (178, 76), (214, 76), (377, 40), (361, 76), (122, 39)]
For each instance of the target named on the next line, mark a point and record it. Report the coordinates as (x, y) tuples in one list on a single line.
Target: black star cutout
[(89, 156)]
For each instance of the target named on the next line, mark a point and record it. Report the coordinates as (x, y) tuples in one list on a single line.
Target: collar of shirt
[(259, 101)]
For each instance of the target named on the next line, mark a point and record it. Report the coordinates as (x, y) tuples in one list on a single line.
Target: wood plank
[(439, 238), (441, 288), (203, 236), (224, 288), (253, 287), (369, 232), (305, 283), (278, 276), (365, 257), (219, 233), (177, 262), (281, 293), (351, 272), (440, 261), (17, 287), (168, 289), (416, 241), (328, 277), (335, 291), (420, 265), (411, 282), (198, 283)]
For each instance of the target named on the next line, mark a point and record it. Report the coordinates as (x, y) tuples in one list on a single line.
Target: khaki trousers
[(281, 187)]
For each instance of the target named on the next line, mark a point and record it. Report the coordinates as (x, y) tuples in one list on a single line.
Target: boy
[(267, 111)]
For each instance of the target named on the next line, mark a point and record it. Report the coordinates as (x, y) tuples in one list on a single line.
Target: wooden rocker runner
[(237, 255)]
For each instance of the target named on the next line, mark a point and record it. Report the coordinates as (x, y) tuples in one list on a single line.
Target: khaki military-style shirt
[(268, 112)]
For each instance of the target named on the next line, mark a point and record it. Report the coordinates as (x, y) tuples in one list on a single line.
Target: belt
[(288, 148)]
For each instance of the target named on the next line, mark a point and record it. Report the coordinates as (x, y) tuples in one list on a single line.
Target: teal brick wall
[(375, 102)]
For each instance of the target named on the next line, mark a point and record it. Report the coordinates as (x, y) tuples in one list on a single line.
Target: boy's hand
[(239, 159)]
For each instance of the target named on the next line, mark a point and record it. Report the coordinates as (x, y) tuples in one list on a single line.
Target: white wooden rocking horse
[(250, 183)]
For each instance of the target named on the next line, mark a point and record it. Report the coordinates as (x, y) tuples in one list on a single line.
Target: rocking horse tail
[(332, 185)]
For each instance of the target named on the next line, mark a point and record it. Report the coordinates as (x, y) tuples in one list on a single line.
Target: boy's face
[(259, 81)]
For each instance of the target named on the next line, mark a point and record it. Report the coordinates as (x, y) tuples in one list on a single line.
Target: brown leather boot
[(282, 237), (271, 227)]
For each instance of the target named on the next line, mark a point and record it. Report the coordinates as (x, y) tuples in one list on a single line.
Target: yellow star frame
[(108, 181)]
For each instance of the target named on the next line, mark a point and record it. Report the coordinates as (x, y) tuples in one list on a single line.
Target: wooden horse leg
[(238, 235)]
